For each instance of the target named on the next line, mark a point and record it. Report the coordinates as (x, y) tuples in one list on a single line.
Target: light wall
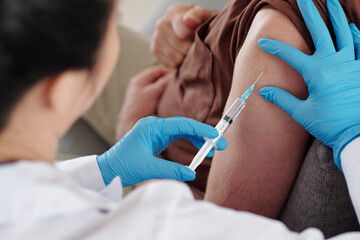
[(132, 12)]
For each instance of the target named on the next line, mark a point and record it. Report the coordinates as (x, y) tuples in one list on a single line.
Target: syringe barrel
[(221, 127), (234, 110)]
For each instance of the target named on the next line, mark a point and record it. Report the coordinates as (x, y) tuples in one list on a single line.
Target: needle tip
[(259, 77)]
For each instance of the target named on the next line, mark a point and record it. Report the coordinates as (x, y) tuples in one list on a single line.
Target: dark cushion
[(320, 197)]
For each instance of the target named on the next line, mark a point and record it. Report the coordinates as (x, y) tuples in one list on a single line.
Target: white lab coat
[(40, 201)]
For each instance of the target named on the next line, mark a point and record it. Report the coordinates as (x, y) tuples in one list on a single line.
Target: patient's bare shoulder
[(269, 23), (265, 146)]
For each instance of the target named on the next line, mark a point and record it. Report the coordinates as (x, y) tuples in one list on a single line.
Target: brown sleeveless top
[(203, 81)]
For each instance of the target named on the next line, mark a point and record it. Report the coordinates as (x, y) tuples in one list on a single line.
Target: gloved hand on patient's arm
[(134, 159), (331, 113)]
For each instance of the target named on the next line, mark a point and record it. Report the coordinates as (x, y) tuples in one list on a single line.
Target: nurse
[(55, 59), (44, 88)]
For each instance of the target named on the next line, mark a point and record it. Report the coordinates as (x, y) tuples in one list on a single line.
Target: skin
[(141, 98), (265, 146), (174, 33), (50, 107)]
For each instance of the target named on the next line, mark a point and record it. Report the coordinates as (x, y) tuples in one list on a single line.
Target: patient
[(265, 146)]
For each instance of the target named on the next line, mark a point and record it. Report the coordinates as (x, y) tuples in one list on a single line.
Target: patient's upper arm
[(265, 146)]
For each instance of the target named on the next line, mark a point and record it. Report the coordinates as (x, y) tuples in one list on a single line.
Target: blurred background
[(141, 15), (133, 12)]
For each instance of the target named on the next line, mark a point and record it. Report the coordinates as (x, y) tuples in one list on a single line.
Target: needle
[(259, 77)]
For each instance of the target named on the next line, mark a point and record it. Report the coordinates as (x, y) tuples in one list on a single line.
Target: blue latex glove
[(134, 159), (331, 113)]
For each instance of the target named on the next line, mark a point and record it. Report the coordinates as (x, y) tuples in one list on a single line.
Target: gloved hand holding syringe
[(223, 125)]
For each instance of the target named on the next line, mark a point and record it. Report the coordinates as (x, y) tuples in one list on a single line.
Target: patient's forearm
[(265, 146)]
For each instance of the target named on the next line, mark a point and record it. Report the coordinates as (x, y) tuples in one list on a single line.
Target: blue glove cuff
[(345, 138), (105, 170)]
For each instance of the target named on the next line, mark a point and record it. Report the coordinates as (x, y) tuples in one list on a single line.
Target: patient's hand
[(175, 32), (141, 98)]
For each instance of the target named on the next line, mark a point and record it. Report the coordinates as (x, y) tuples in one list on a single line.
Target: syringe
[(223, 125)]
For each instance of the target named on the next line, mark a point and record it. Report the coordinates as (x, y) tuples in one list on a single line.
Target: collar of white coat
[(37, 190)]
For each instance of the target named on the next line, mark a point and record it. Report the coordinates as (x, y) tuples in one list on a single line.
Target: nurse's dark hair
[(42, 38)]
